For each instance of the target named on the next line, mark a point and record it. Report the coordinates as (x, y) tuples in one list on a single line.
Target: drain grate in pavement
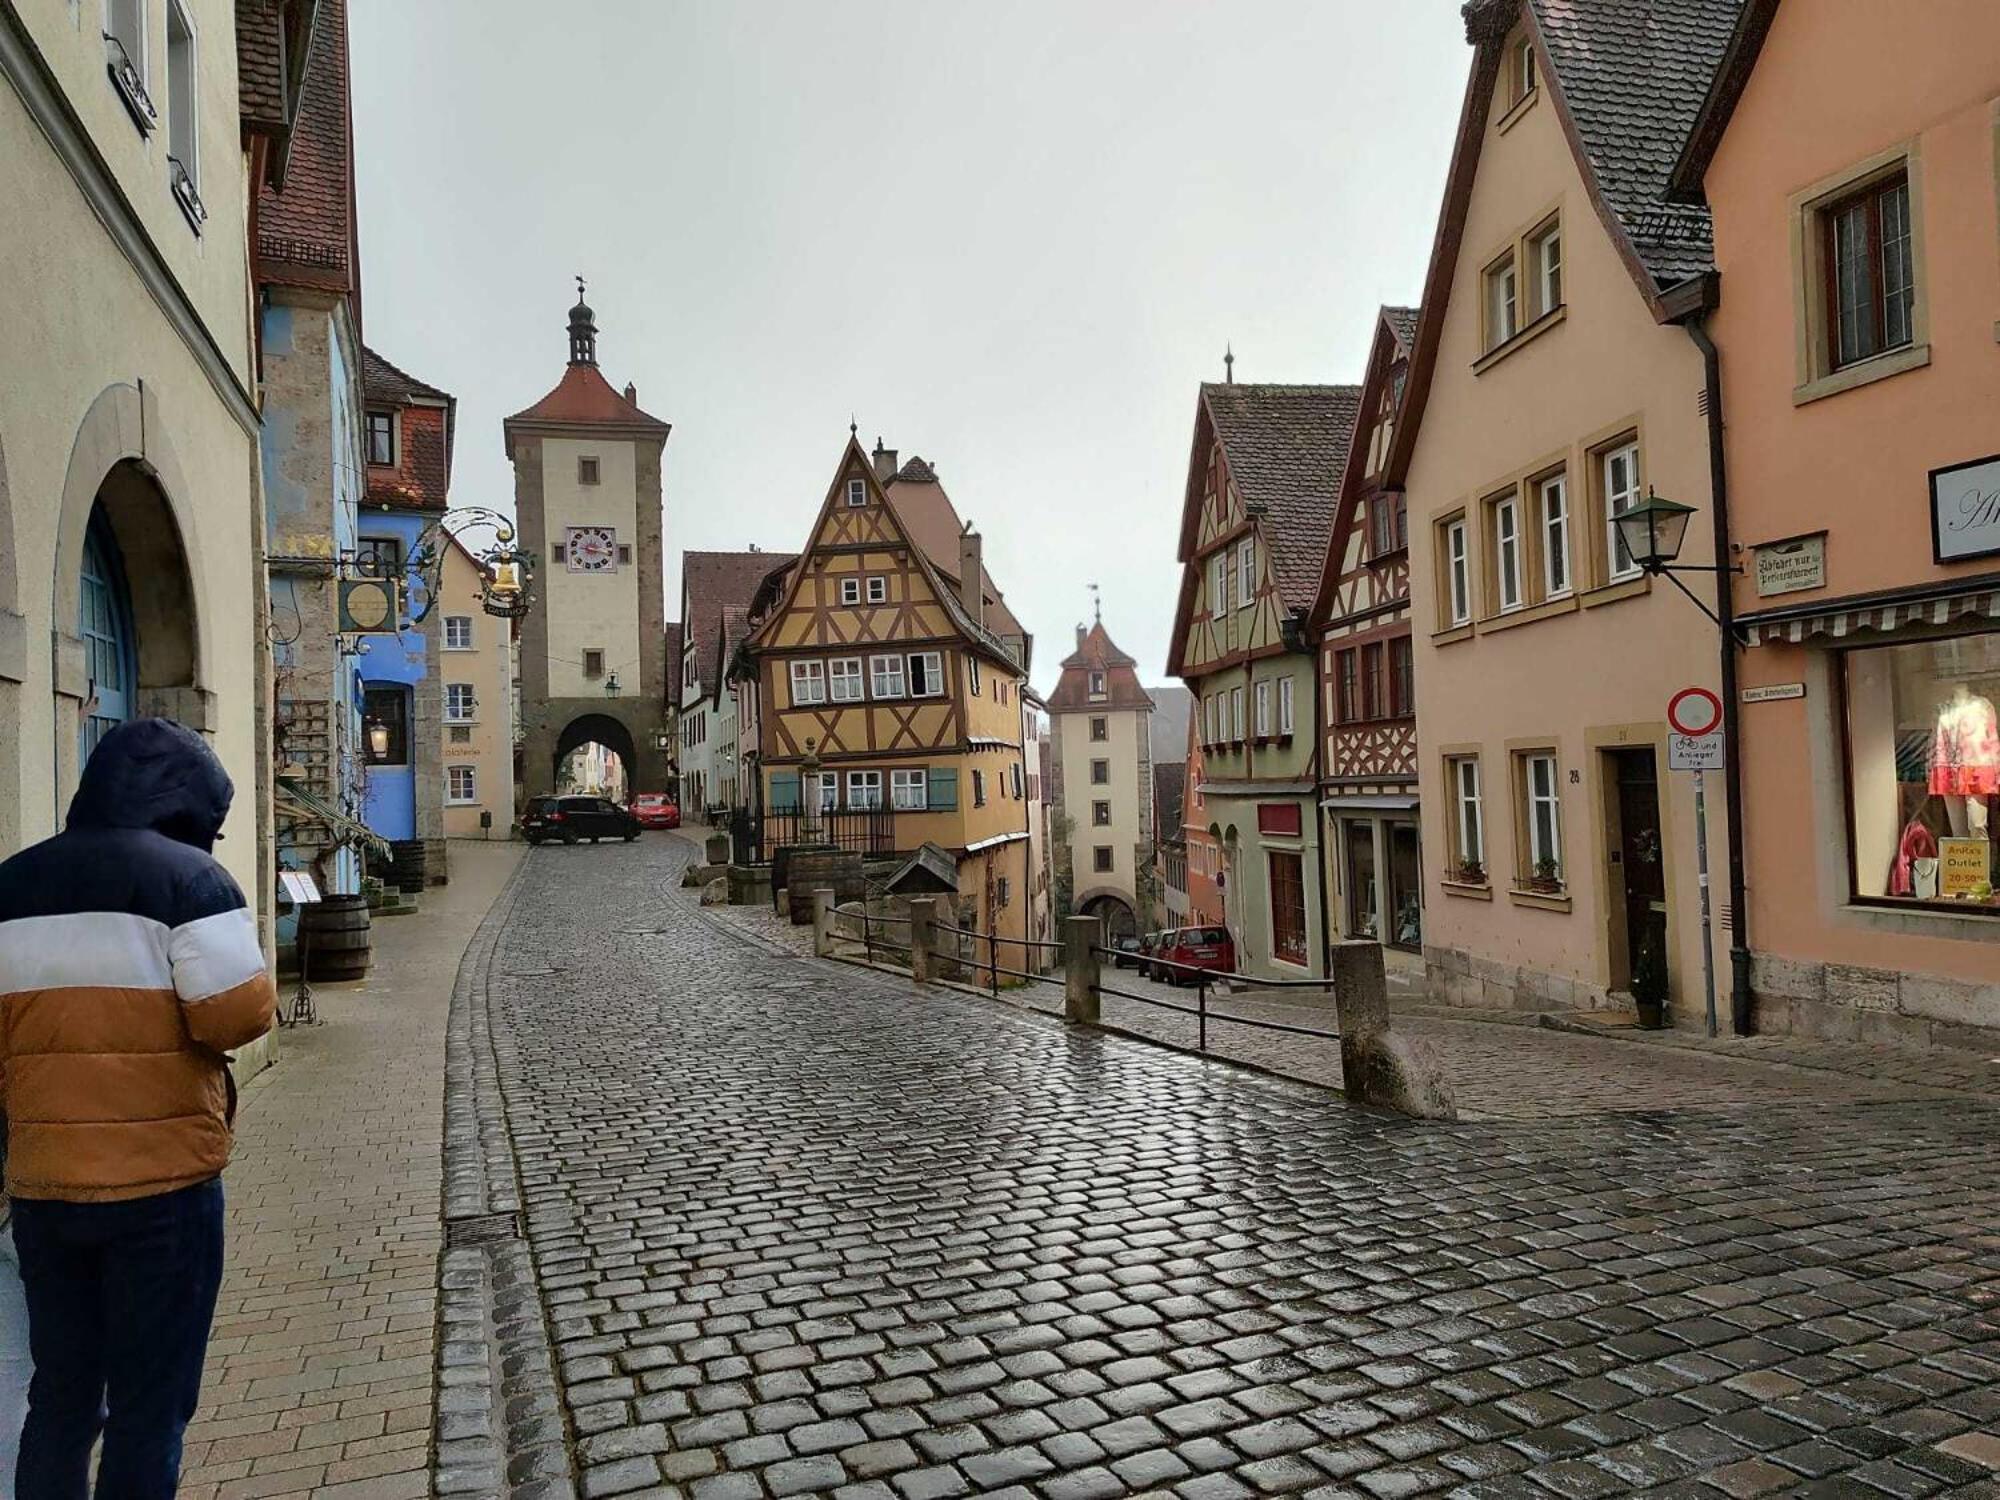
[(481, 1229)]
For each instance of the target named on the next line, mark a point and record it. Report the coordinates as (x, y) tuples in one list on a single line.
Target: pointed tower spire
[(582, 330), (1228, 365)]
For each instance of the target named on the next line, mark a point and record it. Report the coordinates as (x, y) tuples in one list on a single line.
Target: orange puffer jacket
[(129, 967)]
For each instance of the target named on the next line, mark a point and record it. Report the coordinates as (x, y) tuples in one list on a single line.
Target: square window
[(857, 493), (886, 674), (808, 682), (460, 704), (586, 469), (843, 679), (458, 632), (461, 784), (864, 791), (593, 661), (1100, 859), (909, 791), (1100, 728), (1100, 773), (381, 428), (878, 591), (850, 591)]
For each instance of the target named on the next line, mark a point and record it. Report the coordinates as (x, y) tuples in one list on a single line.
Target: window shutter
[(785, 791), (943, 790)]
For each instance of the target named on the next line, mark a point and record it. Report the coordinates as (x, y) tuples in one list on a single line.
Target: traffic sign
[(1694, 711), (1694, 752)]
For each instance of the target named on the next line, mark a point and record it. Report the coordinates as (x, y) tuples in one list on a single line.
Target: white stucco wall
[(594, 611), (1075, 750)]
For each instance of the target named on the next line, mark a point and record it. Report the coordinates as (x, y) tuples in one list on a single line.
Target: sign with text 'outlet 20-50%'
[(1694, 715)]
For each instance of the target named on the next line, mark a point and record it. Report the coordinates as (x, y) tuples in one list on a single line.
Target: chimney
[(971, 573), (885, 462), (631, 393), (1082, 634)]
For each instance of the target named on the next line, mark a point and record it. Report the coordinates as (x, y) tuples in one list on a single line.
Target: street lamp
[(378, 739), (611, 686), (1652, 532)]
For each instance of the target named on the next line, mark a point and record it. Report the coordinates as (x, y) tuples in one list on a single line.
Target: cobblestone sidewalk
[(320, 1378), (805, 1230)]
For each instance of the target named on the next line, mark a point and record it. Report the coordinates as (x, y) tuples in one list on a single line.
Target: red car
[(656, 810), (1209, 948)]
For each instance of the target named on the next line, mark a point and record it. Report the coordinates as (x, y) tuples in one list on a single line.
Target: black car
[(575, 818), (1127, 951)]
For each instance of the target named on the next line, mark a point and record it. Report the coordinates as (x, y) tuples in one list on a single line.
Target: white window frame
[(857, 494), (453, 698), (452, 796), (829, 791), (850, 591), (1218, 584), (888, 677), (909, 790), (844, 680), (191, 105), (1545, 252), (864, 791), (1285, 706), (933, 664), (1458, 570), (1537, 763), (1262, 693), (1507, 548), (1524, 68), (1236, 712), (1246, 570), (1552, 506), (1468, 810), (808, 683), (1616, 503), (878, 590), (458, 633), (1503, 300)]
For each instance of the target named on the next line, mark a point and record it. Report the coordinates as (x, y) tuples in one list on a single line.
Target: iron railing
[(966, 952), (1200, 1011), (755, 836)]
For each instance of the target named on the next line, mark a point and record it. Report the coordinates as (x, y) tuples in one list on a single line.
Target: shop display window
[(1923, 771)]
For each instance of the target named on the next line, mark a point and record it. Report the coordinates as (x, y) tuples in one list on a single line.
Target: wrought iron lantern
[(506, 570), (1653, 531)]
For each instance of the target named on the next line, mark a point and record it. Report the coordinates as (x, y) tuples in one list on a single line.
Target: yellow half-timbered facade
[(889, 688)]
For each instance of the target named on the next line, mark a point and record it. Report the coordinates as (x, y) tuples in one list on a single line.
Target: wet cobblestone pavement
[(802, 1230)]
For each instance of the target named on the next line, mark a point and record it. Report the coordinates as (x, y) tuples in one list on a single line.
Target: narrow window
[(1507, 552), (886, 674), (1100, 729), (1246, 570), (1554, 496), (1621, 493), (978, 788), (1544, 822), (183, 120), (1263, 697), (843, 679), (1546, 250), (381, 437), (1218, 583), (1871, 271), (1097, 684), (586, 469), (1350, 686), (1468, 819), (1100, 814), (1458, 572), (1402, 678), (1524, 68), (1502, 304), (857, 493), (972, 675), (1236, 714), (1285, 706), (1372, 705)]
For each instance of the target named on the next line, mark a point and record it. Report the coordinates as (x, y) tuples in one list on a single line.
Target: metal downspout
[(1725, 608)]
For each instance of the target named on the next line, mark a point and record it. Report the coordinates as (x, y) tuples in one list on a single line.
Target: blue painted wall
[(399, 659)]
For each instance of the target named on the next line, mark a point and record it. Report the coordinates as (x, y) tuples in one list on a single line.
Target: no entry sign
[(1695, 716)]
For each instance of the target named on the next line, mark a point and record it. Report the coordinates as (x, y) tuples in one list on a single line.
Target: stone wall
[(1847, 1002), (1456, 977)]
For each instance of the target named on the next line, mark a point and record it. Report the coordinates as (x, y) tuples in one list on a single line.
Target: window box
[(128, 79), (191, 206)]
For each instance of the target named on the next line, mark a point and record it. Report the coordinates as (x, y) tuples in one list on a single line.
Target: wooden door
[(1641, 855)]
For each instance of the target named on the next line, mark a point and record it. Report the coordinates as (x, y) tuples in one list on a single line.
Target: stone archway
[(603, 730), (1112, 907), (123, 472)]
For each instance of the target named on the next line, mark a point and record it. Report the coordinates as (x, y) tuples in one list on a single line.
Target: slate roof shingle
[(420, 479), (305, 234), (713, 583), (1286, 447), (1403, 323), (1634, 75)]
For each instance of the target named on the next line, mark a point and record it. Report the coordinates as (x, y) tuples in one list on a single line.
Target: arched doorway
[(110, 643), (594, 754), (1114, 911)]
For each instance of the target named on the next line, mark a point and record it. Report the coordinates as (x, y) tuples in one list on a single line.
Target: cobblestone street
[(801, 1229)]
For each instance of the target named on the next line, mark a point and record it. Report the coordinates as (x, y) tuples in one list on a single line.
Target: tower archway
[(595, 753)]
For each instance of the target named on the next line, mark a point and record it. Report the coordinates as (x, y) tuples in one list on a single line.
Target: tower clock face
[(591, 549)]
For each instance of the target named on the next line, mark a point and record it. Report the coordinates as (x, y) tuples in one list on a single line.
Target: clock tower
[(587, 503)]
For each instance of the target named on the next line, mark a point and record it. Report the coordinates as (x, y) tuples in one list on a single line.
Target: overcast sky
[(1012, 238)]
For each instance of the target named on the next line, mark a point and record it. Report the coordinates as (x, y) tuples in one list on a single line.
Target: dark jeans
[(120, 1298)]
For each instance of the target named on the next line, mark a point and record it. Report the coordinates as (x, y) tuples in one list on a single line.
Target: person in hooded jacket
[(129, 968)]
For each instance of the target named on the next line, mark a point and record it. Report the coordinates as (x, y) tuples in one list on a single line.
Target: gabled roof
[(1627, 79), (424, 456), (1631, 77), (1394, 331), (713, 583), (382, 381), (306, 235), (932, 522), (1739, 59), (1095, 652), (1286, 446)]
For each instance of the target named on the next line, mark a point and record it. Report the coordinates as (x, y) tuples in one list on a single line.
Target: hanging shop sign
[(1791, 566), (1964, 867), (1965, 510)]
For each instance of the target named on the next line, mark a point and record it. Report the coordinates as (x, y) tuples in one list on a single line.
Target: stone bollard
[(822, 923), (923, 932), (1081, 940), (716, 848), (1376, 1065)]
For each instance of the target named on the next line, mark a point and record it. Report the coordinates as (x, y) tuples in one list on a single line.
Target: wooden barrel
[(334, 935), (409, 867)]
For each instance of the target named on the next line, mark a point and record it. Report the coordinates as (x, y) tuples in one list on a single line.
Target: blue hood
[(157, 774)]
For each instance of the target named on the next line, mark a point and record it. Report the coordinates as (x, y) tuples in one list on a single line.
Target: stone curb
[(500, 1428)]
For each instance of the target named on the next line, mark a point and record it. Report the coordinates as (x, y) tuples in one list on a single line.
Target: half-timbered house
[(1256, 518), (889, 692), (1368, 708)]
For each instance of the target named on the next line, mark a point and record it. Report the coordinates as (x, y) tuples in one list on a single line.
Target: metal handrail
[(1256, 979), (1199, 1010)]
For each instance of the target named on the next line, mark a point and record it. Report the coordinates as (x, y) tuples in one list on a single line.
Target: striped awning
[(1839, 621)]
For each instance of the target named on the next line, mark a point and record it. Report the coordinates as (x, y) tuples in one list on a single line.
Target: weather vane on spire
[(1228, 365), (1096, 603), (579, 288)]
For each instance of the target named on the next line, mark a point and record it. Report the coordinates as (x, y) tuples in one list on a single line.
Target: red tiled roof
[(305, 234), (420, 479), (584, 395), (1096, 653), (712, 583)]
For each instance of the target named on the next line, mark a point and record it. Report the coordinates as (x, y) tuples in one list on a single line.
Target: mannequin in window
[(1965, 759)]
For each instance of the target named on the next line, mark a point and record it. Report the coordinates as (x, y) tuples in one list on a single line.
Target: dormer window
[(1097, 684), (857, 494), (381, 437)]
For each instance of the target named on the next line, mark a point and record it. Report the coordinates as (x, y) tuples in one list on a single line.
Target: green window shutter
[(785, 791), (943, 790)]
